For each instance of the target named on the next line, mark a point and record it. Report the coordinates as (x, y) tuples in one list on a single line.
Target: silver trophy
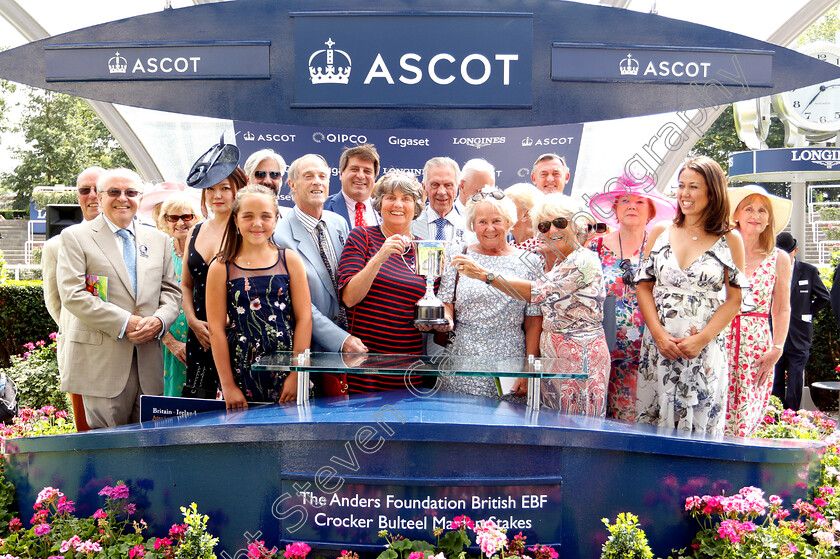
[(429, 262)]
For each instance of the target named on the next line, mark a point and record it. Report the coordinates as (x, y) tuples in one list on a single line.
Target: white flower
[(240, 310), (272, 318), (282, 306), (633, 334)]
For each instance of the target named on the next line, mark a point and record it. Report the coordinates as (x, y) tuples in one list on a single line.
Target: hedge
[(23, 317)]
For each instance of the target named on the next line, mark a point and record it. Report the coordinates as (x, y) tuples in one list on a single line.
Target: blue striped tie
[(440, 235), (130, 256)]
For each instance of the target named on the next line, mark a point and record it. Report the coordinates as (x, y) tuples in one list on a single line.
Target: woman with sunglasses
[(177, 215), (631, 207), (689, 289), (486, 323), (377, 280), (217, 175), (571, 297), (753, 348)]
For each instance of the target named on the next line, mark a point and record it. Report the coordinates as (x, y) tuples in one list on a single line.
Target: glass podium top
[(431, 365)]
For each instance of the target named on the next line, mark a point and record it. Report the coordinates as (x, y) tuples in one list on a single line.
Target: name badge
[(803, 282), (806, 318)]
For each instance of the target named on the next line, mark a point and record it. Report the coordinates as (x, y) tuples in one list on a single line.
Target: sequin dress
[(688, 394), (571, 296), (488, 323), (259, 305), (202, 378), (747, 339), (175, 372), (621, 396)]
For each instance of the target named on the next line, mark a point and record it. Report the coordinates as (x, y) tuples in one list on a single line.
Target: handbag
[(445, 338), (8, 398)]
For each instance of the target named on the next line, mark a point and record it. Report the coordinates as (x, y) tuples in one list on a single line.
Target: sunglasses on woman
[(273, 174), (479, 196), (176, 218), (558, 222)]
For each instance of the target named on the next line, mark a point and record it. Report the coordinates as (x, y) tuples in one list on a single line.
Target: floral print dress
[(621, 396), (688, 394), (571, 297), (747, 339), (260, 310), (175, 372)]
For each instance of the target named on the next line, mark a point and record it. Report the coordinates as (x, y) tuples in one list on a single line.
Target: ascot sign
[(426, 60)]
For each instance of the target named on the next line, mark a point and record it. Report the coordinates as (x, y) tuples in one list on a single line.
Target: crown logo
[(527, 142), (629, 66), (248, 136), (117, 64), (329, 72)]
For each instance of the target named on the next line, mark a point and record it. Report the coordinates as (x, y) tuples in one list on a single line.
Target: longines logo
[(329, 71), (319, 137), (479, 143), (828, 158)]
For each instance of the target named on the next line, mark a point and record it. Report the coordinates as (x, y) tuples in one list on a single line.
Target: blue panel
[(784, 160), (249, 470), (418, 26)]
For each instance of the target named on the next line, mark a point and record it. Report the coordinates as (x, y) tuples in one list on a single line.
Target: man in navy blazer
[(808, 296), (309, 179), (358, 168)]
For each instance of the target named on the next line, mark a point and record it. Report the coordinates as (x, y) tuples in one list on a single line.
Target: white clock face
[(817, 107)]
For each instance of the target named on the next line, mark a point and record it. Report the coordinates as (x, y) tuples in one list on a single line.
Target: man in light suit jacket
[(358, 168), (89, 202), (309, 179), (808, 296), (441, 220), (112, 348)]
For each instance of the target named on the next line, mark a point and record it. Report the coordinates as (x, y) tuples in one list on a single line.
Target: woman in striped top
[(377, 280)]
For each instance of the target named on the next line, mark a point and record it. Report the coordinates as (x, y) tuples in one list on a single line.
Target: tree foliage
[(63, 137), (824, 29)]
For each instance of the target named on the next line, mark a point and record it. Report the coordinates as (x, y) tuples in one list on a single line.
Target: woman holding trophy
[(571, 296), (377, 279), (487, 323)]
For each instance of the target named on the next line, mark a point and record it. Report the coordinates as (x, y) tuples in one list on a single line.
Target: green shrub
[(23, 317), (627, 540), (8, 503), (830, 213), (42, 198), (2, 267), (14, 214), (35, 373)]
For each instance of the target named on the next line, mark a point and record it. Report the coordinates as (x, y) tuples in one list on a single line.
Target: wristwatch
[(779, 347), (489, 278)]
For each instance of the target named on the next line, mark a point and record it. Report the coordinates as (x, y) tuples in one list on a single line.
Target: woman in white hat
[(753, 350), (631, 208)]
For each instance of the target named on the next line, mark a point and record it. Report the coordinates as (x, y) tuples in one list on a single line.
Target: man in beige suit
[(89, 202), (112, 347)]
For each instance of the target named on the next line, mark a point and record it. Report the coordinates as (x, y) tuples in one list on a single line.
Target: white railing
[(18, 268)]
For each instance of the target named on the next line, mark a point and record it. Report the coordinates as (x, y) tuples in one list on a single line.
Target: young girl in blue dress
[(262, 290)]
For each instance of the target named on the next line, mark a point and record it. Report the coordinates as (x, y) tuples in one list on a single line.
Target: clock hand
[(811, 102)]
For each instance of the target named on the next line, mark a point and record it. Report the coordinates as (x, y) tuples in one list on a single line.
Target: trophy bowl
[(429, 262)]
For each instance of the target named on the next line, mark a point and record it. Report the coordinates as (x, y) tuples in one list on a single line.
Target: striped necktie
[(341, 319)]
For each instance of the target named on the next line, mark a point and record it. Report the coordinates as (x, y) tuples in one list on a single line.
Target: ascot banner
[(512, 151)]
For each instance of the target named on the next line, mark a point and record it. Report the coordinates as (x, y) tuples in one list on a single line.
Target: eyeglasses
[(629, 272), (479, 196), (273, 174), (85, 190), (116, 193), (176, 218), (558, 222), (597, 227)]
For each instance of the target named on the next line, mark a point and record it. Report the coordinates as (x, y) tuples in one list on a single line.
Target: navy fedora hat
[(214, 166)]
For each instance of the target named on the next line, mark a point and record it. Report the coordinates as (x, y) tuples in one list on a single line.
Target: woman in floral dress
[(688, 267), (571, 298), (263, 289), (753, 350), (632, 206)]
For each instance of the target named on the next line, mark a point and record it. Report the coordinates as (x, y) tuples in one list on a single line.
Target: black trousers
[(793, 361)]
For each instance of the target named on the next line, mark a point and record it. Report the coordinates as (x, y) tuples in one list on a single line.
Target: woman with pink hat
[(753, 349), (630, 208)]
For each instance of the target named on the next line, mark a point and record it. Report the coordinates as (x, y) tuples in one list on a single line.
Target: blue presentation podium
[(332, 472)]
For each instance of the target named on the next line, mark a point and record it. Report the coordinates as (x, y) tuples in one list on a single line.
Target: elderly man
[(117, 284), (318, 236), (550, 173), (267, 167), (358, 168), (475, 175), (89, 202), (440, 221)]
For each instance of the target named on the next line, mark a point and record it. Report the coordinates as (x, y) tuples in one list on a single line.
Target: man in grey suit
[(318, 236), (440, 221), (89, 202), (117, 282)]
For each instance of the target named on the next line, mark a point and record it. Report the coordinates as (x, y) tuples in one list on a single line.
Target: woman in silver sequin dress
[(487, 323)]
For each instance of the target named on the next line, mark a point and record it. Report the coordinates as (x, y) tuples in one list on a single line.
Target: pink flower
[(728, 529), (42, 529), (67, 544), (463, 521), (100, 514), (297, 550), (489, 537), (88, 547), (120, 491), (820, 502), (162, 542), (29, 345), (106, 491), (53, 335), (48, 410), (137, 551), (825, 538), (177, 531), (48, 494), (692, 503), (15, 525), (255, 549), (415, 555), (827, 490), (775, 500), (61, 414)]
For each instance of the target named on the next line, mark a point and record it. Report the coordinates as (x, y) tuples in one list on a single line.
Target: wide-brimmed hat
[(159, 193), (781, 206), (603, 205), (214, 166)]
